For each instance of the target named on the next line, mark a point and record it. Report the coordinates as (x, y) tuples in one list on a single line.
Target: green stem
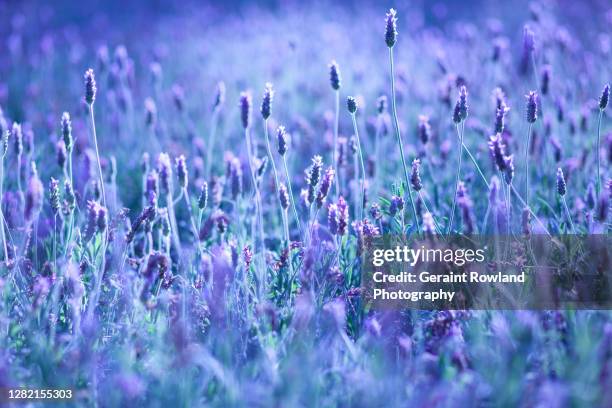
[(258, 209), (363, 173), (482, 176), (399, 140), (597, 152), (95, 139), (335, 141), (527, 164), (295, 213), (457, 174), (567, 212)]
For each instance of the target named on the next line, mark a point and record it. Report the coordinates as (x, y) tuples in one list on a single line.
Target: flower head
[(424, 129), (460, 112), (328, 179), (66, 126), (90, 87), (391, 28), (415, 175), (181, 171), (282, 136), (245, 108), (351, 104), (283, 196), (532, 106), (605, 97), (561, 185), (334, 76), (266, 103)]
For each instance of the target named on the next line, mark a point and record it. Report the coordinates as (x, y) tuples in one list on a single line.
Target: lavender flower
[(528, 48), (351, 104), (66, 127), (283, 196), (334, 76), (219, 95), (381, 104), (526, 221), (245, 108), (92, 220), (391, 28), (590, 197), (313, 175), (282, 136), (266, 103), (333, 218), (605, 97), (396, 204), (375, 211), (424, 129), (500, 115), (54, 196), (460, 112), (146, 215), (497, 150), (532, 106), (415, 175), (203, 198), (181, 171), (603, 206), (90, 87), (561, 186), (151, 183), (247, 256), (34, 197), (326, 183), (343, 216), (102, 219), (70, 198), (235, 177)]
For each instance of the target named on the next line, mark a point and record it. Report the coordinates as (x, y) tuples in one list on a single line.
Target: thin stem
[(597, 152), (335, 147), (482, 176), (95, 138), (457, 174), (276, 184), (295, 213), (399, 140), (363, 173), (567, 212), (288, 240), (258, 209), (527, 164)]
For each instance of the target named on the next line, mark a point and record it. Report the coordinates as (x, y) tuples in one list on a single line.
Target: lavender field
[(186, 192)]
